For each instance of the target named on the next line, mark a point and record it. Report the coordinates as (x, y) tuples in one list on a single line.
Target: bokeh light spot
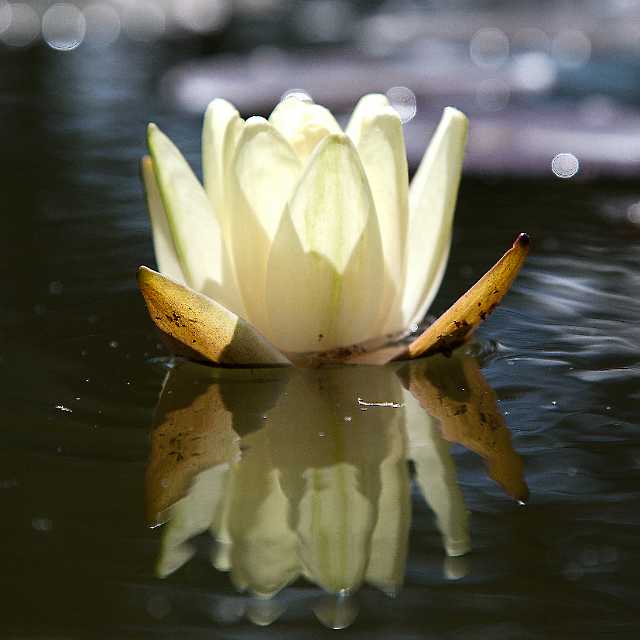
[(103, 24), (571, 48), (23, 27), (633, 213), (5, 16), (533, 71), (403, 100), (144, 21), (565, 165), (489, 48), (63, 27)]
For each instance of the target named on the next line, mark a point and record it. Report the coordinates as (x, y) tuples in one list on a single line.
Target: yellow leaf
[(201, 328), (455, 325), (454, 391)]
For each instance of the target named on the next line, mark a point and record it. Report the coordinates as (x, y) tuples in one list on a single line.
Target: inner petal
[(303, 124)]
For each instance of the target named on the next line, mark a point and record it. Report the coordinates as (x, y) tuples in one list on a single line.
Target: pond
[(360, 523)]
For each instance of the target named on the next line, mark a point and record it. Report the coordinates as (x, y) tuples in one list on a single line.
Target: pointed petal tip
[(455, 114), (154, 134), (523, 241), (200, 328), (458, 322), (144, 272), (147, 278)]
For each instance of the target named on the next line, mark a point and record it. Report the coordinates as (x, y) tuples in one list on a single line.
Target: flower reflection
[(293, 477)]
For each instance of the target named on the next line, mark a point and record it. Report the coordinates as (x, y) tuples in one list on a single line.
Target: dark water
[(82, 373)]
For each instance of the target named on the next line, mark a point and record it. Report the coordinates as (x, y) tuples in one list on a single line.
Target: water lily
[(304, 238)]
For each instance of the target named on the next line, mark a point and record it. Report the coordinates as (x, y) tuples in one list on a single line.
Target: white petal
[(389, 542), (436, 476), (264, 173), (189, 517), (376, 130), (335, 522), (267, 171), (432, 200), (166, 256), (194, 227), (367, 106), (333, 482), (263, 557), (220, 133), (303, 124), (326, 265)]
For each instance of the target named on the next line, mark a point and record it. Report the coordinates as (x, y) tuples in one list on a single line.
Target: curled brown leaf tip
[(455, 326), (454, 391)]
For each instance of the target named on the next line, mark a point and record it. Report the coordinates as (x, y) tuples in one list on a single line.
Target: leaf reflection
[(303, 472)]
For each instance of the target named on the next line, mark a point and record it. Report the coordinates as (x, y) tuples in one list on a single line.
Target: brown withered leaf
[(454, 391), (193, 432), (204, 329), (455, 326), (202, 414)]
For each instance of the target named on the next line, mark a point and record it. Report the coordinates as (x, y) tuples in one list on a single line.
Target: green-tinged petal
[(165, 251), (370, 104), (303, 124), (201, 327), (335, 521), (221, 553), (326, 264), (390, 539), (263, 557), (189, 517), (432, 200), (221, 131), (264, 173), (376, 130), (267, 171), (195, 230), (330, 463), (436, 477)]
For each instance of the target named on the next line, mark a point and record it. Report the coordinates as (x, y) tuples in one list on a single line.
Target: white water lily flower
[(311, 234)]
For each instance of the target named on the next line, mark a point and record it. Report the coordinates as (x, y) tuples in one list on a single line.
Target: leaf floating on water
[(454, 391), (455, 326), (201, 328), (193, 432)]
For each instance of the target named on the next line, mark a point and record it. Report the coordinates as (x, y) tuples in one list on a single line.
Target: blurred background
[(550, 85)]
